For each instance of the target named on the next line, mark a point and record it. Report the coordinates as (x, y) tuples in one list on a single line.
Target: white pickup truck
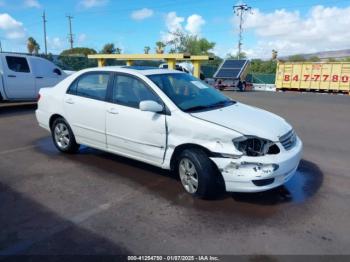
[(22, 76)]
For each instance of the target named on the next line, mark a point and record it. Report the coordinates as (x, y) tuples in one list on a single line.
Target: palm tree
[(160, 47), (118, 50), (33, 46), (274, 54), (147, 49), (108, 49)]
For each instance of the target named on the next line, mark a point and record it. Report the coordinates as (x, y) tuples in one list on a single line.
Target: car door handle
[(112, 111), (69, 101), (39, 77), (11, 76)]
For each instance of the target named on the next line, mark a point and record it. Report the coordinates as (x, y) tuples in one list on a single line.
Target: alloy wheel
[(62, 137), (188, 175)]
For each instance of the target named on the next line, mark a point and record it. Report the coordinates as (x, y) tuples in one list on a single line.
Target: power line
[(240, 10), (70, 35), (44, 25)]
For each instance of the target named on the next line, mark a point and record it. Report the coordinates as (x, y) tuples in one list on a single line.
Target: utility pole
[(44, 24), (0, 47), (240, 10), (70, 35)]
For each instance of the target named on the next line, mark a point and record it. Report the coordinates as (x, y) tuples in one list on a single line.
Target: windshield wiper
[(215, 105), (196, 108), (222, 103)]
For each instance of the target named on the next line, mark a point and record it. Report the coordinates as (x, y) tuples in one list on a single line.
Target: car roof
[(144, 70)]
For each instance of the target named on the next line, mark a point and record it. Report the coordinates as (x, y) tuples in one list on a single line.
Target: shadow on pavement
[(17, 108), (29, 228), (302, 186)]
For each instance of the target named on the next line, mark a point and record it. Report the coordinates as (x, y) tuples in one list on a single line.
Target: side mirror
[(150, 106), (57, 71)]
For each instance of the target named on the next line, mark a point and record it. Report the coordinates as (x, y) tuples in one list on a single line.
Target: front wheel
[(63, 136), (199, 176)]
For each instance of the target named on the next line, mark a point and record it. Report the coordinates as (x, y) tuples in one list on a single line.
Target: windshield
[(189, 93)]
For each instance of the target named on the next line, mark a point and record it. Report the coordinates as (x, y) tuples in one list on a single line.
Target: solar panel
[(228, 73), (233, 63), (231, 69)]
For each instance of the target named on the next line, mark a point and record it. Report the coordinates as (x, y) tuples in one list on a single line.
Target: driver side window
[(130, 91)]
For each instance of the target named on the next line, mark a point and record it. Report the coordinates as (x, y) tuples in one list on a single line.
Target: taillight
[(38, 98)]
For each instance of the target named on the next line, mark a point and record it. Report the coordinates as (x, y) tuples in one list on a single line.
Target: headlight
[(252, 146)]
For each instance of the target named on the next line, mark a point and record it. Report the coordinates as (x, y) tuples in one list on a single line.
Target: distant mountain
[(330, 54), (338, 54)]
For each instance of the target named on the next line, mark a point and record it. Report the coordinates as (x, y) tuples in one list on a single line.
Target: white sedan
[(174, 121)]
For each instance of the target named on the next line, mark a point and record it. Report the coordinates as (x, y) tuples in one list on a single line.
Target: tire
[(63, 137), (194, 165)]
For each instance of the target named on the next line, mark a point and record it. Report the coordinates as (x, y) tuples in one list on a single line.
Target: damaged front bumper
[(255, 174)]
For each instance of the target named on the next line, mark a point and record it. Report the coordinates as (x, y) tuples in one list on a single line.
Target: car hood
[(247, 120)]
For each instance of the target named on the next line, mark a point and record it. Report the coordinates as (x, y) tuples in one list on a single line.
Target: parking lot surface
[(98, 203)]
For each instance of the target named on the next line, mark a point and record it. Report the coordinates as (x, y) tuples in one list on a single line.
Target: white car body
[(22, 76), (155, 138)]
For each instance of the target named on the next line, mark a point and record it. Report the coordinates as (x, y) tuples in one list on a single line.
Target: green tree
[(183, 42), (32, 46), (108, 49), (160, 47), (263, 67), (314, 59), (296, 58), (242, 56), (76, 58), (78, 51), (118, 50), (146, 49), (331, 59)]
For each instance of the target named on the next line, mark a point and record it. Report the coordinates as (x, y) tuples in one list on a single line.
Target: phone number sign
[(315, 77)]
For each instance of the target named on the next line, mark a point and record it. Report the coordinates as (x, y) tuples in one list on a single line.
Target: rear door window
[(17, 64), (92, 85)]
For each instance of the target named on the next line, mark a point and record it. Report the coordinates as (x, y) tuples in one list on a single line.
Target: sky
[(290, 27)]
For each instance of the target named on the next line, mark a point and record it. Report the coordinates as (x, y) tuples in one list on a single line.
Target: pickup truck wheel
[(197, 173), (63, 136)]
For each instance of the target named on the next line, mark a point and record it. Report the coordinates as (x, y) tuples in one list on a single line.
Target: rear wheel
[(63, 136), (198, 174)]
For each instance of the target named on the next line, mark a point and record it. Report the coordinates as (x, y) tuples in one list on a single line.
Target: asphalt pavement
[(98, 203)]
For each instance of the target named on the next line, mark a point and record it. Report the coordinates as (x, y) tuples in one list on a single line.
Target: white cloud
[(142, 14), (12, 28), (93, 3), (323, 28), (174, 23), (194, 24), (32, 3)]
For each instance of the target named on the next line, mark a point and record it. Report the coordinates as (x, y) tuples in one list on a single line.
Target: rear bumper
[(255, 174), (43, 119)]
